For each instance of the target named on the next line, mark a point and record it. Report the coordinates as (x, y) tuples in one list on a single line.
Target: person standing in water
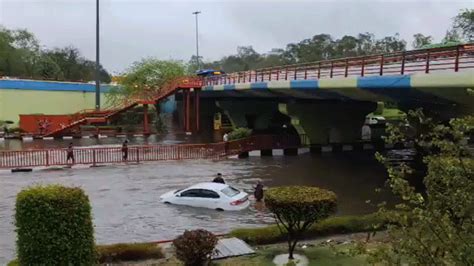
[(258, 193), (219, 179)]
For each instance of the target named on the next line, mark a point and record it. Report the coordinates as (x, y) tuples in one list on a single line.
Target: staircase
[(91, 117)]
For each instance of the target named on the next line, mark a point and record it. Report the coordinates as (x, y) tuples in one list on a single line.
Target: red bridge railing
[(453, 58), (110, 155)]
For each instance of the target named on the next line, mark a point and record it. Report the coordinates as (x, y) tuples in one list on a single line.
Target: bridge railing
[(453, 58), (109, 155)]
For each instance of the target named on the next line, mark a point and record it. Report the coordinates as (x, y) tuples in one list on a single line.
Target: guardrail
[(453, 58), (137, 154)]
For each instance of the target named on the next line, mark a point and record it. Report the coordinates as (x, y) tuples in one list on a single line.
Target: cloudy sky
[(132, 29)]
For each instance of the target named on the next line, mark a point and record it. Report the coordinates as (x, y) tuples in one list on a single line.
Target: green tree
[(435, 226), (464, 23), (297, 208), (452, 36), (420, 40), (144, 79)]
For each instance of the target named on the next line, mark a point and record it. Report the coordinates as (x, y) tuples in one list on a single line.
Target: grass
[(334, 225), (128, 252), (123, 252), (317, 255)]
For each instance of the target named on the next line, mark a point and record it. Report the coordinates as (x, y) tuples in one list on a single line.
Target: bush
[(333, 225), (129, 252), (240, 133), (195, 247), (297, 208), (54, 226)]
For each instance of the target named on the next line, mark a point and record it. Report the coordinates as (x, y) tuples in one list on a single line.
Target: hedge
[(128, 252), (54, 226), (240, 133), (330, 226)]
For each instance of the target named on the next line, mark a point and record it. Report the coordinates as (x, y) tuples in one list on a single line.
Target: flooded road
[(125, 198)]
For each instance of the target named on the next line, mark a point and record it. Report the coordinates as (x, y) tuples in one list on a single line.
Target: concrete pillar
[(327, 122), (146, 128)]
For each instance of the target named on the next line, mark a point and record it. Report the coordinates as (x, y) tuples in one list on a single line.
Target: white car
[(209, 195)]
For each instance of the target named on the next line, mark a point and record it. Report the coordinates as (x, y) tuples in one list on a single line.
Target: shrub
[(54, 226), (129, 252), (332, 225), (195, 247), (240, 133), (297, 208)]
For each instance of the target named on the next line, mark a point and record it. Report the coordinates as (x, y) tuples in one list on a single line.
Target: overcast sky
[(132, 29)]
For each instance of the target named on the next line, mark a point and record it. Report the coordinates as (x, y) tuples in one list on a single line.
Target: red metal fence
[(454, 58), (109, 155)]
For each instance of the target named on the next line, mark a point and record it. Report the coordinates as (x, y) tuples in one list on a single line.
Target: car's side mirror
[(178, 195)]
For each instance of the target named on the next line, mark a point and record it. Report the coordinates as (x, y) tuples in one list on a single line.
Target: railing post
[(362, 69), (138, 155), (402, 71), (238, 78), (427, 67), (296, 70), (286, 73), (262, 75), (456, 61), (256, 75), (245, 80), (94, 160), (381, 65), (332, 67), (278, 73), (47, 157), (305, 73), (270, 75), (347, 68), (319, 70), (250, 76)]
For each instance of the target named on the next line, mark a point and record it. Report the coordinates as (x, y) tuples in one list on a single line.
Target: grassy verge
[(334, 225), (317, 255), (123, 252)]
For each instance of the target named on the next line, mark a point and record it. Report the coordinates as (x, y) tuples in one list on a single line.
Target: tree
[(296, 208), (451, 36), (144, 79), (434, 226), (421, 40), (195, 247), (464, 23)]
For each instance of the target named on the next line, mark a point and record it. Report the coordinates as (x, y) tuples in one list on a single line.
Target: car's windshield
[(230, 191), (177, 191)]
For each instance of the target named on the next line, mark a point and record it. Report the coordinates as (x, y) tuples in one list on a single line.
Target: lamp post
[(196, 13), (97, 60)]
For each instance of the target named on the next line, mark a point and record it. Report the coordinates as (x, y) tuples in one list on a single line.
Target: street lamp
[(97, 60), (196, 13)]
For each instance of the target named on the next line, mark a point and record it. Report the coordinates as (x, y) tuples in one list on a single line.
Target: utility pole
[(196, 13), (97, 60)]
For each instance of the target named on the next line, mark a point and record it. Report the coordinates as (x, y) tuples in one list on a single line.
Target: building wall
[(38, 97)]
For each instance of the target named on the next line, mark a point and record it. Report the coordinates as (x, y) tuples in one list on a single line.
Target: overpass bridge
[(327, 101)]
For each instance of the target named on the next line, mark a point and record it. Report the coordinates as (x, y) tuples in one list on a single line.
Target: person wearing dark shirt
[(70, 154), (125, 150), (258, 193), (219, 179)]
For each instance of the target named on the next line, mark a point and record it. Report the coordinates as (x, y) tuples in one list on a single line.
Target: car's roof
[(210, 185)]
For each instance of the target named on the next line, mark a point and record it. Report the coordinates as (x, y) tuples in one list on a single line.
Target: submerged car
[(209, 195)]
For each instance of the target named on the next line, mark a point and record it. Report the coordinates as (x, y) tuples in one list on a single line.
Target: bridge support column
[(146, 128), (197, 110), (331, 122)]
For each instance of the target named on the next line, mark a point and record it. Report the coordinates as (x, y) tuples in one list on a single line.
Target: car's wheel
[(219, 209), (167, 202)]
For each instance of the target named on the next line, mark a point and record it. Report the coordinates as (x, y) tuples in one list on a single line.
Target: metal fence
[(110, 155), (454, 58)]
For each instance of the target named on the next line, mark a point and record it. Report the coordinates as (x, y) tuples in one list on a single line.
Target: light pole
[(196, 13), (97, 60)]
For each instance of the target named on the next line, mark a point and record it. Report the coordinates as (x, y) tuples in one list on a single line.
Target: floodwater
[(125, 198)]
